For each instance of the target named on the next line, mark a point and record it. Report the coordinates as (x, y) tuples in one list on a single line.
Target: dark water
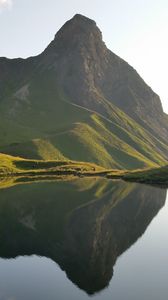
[(81, 239)]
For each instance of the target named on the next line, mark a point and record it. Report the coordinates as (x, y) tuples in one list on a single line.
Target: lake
[(88, 238)]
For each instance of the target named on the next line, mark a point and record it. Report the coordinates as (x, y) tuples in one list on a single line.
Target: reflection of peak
[(83, 233), (100, 232)]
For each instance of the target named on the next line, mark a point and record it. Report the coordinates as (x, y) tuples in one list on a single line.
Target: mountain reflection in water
[(83, 225)]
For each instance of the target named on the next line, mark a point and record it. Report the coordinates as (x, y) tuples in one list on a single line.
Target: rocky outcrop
[(90, 73)]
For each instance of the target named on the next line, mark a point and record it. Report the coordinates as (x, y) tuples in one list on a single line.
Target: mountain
[(77, 100), (83, 225)]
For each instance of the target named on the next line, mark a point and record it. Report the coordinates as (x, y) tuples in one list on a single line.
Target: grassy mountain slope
[(45, 125)]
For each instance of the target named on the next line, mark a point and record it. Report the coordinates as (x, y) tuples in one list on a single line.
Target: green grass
[(15, 170), (46, 126), (18, 170), (17, 166), (156, 176)]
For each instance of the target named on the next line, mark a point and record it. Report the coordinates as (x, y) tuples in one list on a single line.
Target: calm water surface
[(87, 238)]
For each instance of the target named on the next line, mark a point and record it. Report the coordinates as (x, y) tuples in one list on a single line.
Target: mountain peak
[(82, 18), (78, 28), (79, 21)]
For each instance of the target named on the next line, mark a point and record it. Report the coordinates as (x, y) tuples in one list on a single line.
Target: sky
[(136, 30)]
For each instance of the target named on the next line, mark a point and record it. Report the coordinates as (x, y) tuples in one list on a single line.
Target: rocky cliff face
[(90, 74)]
